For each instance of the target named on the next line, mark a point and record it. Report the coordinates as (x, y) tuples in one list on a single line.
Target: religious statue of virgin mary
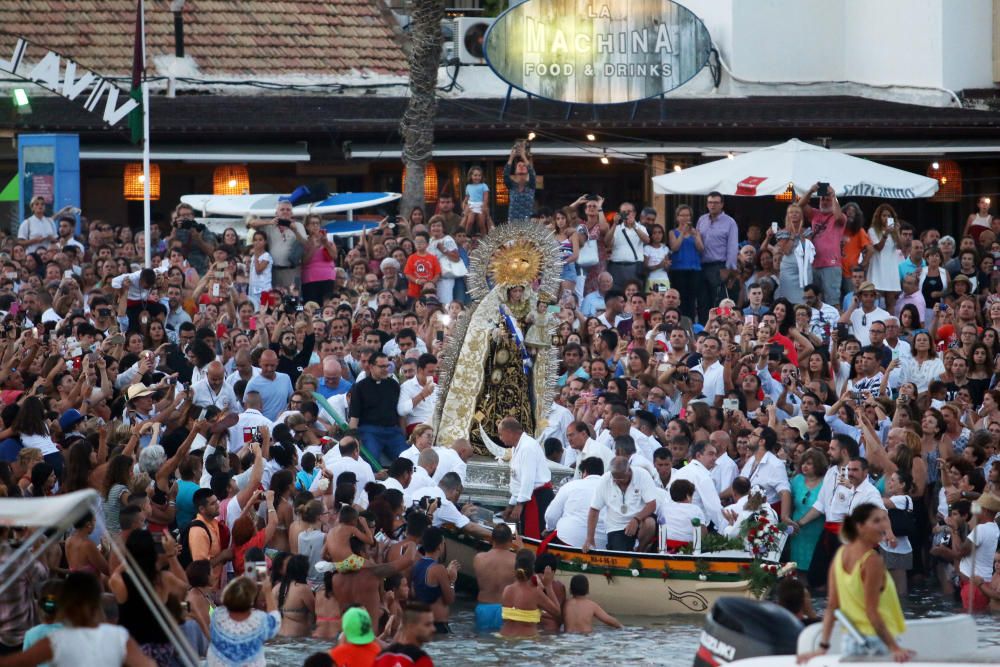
[(500, 361)]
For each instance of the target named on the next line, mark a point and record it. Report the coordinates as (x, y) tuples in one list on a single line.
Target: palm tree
[(417, 125)]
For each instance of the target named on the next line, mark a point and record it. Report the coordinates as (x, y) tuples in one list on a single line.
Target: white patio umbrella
[(769, 171)]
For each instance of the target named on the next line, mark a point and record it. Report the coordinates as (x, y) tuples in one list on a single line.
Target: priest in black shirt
[(373, 411)]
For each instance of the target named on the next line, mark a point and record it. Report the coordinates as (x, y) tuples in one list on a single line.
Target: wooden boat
[(634, 584)]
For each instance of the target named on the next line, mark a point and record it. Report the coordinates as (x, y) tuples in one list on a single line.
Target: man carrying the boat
[(530, 479), (629, 497)]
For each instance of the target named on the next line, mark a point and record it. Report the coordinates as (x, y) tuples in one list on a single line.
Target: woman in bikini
[(82, 554), (295, 599), (327, 610), (524, 600), (199, 596)]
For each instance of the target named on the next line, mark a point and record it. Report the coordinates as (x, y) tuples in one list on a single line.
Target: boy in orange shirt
[(422, 267)]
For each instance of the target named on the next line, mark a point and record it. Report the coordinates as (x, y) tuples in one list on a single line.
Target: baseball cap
[(69, 419), (357, 626)]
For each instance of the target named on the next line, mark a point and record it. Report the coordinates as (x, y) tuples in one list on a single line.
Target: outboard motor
[(738, 628)]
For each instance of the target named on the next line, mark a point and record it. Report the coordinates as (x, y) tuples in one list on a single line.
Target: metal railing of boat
[(18, 562)]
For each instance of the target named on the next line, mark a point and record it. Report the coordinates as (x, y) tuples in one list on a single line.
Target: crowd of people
[(255, 411)]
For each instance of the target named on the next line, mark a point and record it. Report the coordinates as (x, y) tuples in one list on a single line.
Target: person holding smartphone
[(883, 271), (828, 222)]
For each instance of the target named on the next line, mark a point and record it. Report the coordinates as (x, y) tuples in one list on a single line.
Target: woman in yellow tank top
[(861, 588)]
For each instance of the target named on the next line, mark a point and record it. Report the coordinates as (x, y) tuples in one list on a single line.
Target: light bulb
[(142, 178), (591, 137), (531, 136), (605, 160), (677, 167), (935, 166), (232, 182)]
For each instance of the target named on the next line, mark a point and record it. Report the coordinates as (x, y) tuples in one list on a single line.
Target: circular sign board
[(587, 52)]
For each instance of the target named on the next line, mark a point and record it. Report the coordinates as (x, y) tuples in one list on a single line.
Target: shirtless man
[(363, 586), (524, 600), (580, 611), (494, 572), (337, 548)]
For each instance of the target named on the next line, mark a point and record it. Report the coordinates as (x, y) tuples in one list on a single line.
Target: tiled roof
[(754, 118), (249, 38)]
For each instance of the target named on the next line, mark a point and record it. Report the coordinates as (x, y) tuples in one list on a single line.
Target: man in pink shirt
[(827, 230)]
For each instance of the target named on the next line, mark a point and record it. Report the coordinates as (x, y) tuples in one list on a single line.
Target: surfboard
[(264, 205)]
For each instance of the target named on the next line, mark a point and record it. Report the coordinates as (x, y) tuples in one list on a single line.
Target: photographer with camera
[(283, 234), (197, 243), (624, 240)]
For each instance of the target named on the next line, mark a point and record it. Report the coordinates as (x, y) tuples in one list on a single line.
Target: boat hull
[(632, 584)]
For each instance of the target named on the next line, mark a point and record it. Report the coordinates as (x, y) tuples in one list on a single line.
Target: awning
[(12, 190), (641, 148), (59, 512), (295, 152)]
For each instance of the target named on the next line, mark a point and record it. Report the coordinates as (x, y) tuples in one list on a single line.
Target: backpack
[(184, 558), (903, 522)]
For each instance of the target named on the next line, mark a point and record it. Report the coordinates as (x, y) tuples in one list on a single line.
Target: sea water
[(670, 640)]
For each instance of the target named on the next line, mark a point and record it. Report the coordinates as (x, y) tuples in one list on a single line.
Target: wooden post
[(658, 166), (996, 41)]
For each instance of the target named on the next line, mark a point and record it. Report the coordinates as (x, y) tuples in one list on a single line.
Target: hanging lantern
[(231, 179), (503, 195), (455, 181), (787, 196), (430, 182), (133, 188), (949, 177)]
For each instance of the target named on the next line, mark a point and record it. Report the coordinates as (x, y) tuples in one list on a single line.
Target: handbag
[(903, 523), (588, 255), (450, 269)]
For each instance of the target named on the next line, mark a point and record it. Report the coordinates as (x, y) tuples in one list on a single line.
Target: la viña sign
[(587, 52), (62, 76)]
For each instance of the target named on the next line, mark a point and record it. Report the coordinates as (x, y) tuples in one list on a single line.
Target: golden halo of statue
[(516, 254)]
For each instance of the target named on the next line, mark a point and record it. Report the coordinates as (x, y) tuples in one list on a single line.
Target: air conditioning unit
[(470, 39)]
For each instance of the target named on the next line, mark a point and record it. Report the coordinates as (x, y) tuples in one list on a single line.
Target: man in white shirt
[(400, 473), (447, 492), (582, 446), (767, 471), (644, 433), (38, 230), (725, 469), (863, 312), (624, 240), (350, 461), (418, 395), (423, 475), (625, 446), (453, 459), (567, 515), (559, 420), (706, 496), (247, 429), (213, 390), (711, 369), (629, 496), (530, 479)]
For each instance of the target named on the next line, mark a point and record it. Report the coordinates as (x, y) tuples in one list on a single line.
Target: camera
[(823, 190), (283, 222), (291, 305), (190, 223)]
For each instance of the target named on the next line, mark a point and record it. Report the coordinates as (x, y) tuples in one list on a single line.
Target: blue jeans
[(389, 440)]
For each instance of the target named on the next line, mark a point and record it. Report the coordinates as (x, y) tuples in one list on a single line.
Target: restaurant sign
[(61, 76), (586, 52)]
